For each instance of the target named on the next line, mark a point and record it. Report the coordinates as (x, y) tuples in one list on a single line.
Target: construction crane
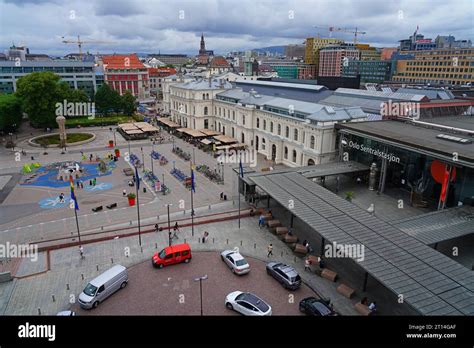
[(355, 31), (79, 43)]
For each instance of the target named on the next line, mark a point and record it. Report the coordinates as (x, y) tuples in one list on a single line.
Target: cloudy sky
[(174, 26)]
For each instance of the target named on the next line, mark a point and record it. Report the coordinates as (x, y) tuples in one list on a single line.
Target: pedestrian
[(261, 221), (290, 231), (364, 301), (206, 234), (337, 184), (373, 307), (81, 251), (270, 214), (91, 157), (321, 262), (94, 181), (77, 183), (270, 250), (82, 184), (307, 264), (156, 228), (222, 196), (124, 192), (359, 180), (175, 229), (61, 198), (305, 242)]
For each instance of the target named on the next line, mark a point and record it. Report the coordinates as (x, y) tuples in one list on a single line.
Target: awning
[(168, 122), (209, 132), (126, 126), (206, 141), (225, 139), (133, 131)]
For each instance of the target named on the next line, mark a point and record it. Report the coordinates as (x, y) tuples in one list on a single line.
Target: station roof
[(440, 225), (430, 282), (414, 137)]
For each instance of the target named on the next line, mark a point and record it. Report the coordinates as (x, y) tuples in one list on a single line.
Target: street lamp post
[(200, 279), (11, 141), (163, 182), (143, 160), (115, 139)]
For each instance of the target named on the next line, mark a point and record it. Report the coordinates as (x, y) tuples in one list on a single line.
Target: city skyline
[(176, 27)]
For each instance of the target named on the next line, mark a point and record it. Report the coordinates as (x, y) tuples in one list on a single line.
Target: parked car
[(247, 303), (171, 255), (235, 261), (103, 286), (316, 307), (285, 274)]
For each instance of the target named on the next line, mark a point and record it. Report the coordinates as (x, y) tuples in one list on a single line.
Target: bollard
[(82, 275), (39, 311), (141, 249), (240, 243), (184, 240), (156, 245), (199, 240), (255, 245), (282, 254), (209, 207), (54, 299), (212, 240), (112, 259), (227, 241), (184, 212), (158, 217), (67, 286), (101, 228), (130, 223), (295, 259), (97, 266)]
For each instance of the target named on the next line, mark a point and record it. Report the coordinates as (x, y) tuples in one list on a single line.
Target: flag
[(137, 178), (73, 195), (193, 188), (241, 168), (445, 185)]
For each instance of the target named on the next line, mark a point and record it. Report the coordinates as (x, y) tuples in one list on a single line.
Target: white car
[(235, 261), (247, 304)]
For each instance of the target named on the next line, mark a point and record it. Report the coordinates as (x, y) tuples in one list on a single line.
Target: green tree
[(39, 92), (106, 100), (129, 104), (77, 96), (10, 112)]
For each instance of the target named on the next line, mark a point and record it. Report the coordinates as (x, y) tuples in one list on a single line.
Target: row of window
[(455, 61)]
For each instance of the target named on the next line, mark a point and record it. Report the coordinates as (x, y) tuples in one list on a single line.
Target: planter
[(131, 202), (117, 153), (111, 143)]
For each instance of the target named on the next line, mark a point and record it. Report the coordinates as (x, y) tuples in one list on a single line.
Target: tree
[(10, 112), (39, 92), (129, 104), (106, 99), (77, 96)]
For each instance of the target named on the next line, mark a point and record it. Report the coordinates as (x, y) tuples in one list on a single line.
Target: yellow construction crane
[(79, 43), (355, 31)]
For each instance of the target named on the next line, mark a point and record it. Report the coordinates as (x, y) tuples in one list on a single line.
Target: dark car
[(285, 274), (316, 307)]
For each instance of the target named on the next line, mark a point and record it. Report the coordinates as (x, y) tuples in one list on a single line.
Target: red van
[(171, 255)]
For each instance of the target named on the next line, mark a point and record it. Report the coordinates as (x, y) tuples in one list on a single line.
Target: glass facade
[(407, 169)]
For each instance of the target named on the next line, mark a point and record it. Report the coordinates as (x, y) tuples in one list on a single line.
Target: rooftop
[(119, 61), (203, 84)]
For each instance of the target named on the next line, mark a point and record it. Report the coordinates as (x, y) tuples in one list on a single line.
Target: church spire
[(202, 49)]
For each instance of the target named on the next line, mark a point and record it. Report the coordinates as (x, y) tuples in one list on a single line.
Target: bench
[(273, 223), (281, 231), (111, 206), (96, 209), (300, 249), (290, 239), (345, 291), (362, 309), (328, 274)]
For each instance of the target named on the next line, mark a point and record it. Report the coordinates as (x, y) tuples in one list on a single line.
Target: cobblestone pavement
[(69, 273)]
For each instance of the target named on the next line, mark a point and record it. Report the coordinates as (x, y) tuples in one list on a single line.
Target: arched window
[(271, 127), (264, 124), (207, 95), (242, 138), (205, 110), (279, 129), (287, 132), (311, 142), (258, 122), (295, 137), (263, 143), (294, 156), (203, 96), (286, 152)]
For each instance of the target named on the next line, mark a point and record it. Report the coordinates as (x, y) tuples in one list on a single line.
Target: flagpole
[(192, 200), (137, 183), (75, 206), (238, 184), (77, 224)]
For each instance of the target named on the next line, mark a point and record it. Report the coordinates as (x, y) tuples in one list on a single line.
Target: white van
[(103, 286)]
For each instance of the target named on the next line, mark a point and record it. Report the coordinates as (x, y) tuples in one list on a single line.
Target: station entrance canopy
[(430, 282)]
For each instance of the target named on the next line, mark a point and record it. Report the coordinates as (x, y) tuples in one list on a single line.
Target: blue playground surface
[(53, 203), (47, 175)]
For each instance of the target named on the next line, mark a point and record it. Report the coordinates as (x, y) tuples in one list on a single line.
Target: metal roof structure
[(283, 85), (430, 282), (430, 93), (368, 105), (380, 95), (440, 225), (414, 137)]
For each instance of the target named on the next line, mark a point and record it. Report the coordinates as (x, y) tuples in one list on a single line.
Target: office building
[(333, 58), (313, 45), (370, 71)]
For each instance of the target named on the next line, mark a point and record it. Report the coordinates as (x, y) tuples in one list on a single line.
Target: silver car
[(235, 261), (247, 303)]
